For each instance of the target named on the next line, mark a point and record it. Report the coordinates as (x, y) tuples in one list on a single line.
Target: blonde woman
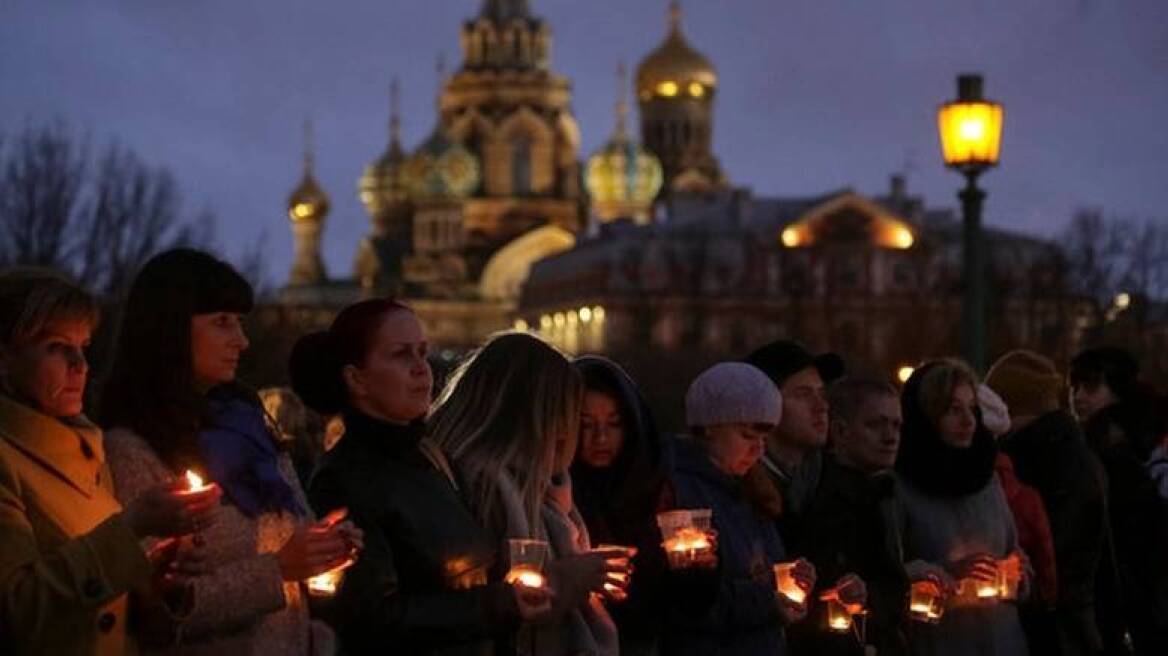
[(508, 420)]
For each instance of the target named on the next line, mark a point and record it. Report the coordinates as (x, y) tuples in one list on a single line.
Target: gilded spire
[(675, 16), (622, 105), (309, 147), (441, 68), (394, 111)]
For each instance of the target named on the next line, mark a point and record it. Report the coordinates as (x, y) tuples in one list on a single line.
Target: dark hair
[(848, 394), (318, 359), (1111, 365), (151, 389)]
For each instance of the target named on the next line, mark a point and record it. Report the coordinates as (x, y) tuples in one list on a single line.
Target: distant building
[(493, 222)]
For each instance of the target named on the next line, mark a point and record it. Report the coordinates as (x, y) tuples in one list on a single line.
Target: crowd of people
[(532, 505)]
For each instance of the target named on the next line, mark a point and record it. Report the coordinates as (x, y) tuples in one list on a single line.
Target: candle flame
[(194, 481), (841, 623), (526, 577)]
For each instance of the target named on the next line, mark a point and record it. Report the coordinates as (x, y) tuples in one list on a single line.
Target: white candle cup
[(839, 619), (925, 603), (528, 558), (686, 537), (786, 584)]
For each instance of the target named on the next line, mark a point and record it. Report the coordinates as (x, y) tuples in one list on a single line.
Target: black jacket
[(1133, 581), (427, 581), (850, 527), (1051, 455)]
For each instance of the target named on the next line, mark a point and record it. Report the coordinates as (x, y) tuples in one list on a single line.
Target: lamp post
[(971, 137)]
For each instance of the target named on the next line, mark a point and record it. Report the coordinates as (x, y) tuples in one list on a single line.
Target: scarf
[(240, 455)]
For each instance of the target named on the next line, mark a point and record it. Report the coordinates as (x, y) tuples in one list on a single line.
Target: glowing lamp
[(970, 128), (696, 89), (667, 89), (790, 237), (902, 238), (904, 373)]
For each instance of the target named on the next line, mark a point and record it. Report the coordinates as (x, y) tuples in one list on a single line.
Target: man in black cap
[(794, 452)]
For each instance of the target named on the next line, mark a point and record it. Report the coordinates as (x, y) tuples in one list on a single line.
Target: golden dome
[(441, 168), (623, 175), (381, 184), (308, 201), (675, 69)]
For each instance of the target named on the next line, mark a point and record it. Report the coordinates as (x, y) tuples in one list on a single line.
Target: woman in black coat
[(429, 580)]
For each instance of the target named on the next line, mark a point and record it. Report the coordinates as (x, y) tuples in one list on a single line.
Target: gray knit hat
[(730, 393)]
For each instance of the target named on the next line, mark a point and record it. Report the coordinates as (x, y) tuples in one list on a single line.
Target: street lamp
[(971, 138)]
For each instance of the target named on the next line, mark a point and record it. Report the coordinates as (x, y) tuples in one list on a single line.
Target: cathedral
[(495, 221)]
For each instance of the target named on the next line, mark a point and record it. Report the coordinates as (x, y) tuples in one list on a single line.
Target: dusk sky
[(813, 94)]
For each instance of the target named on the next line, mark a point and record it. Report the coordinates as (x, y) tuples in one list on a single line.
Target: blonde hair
[(501, 413), (32, 298), (938, 383)]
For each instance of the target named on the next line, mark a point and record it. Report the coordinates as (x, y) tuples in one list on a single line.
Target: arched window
[(521, 165)]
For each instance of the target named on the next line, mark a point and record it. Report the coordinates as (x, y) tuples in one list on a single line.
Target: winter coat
[(244, 605), (619, 503), (1133, 581), (944, 530), (1051, 455), (797, 488), (67, 556), (852, 525), (1033, 527), (954, 507), (429, 580), (743, 617)]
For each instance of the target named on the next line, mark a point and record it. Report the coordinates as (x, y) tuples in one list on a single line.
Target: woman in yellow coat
[(69, 553)]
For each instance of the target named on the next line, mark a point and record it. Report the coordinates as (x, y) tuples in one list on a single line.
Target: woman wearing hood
[(619, 479), (957, 520)]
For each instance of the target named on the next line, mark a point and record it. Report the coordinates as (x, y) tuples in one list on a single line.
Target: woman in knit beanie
[(730, 409)]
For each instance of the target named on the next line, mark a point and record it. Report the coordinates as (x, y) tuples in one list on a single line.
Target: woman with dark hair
[(173, 404), (1118, 421), (69, 552), (430, 578), (618, 484), (957, 521)]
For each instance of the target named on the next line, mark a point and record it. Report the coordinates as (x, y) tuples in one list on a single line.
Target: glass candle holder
[(1009, 577), (528, 558), (686, 537), (924, 604), (617, 585), (326, 584), (786, 584), (839, 620)]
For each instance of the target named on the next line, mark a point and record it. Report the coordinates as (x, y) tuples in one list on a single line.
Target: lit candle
[(526, 577), (686, 547), (195, 482), (1009, 577), (326, 584), (786, 583), (838, 617), (925, 602)]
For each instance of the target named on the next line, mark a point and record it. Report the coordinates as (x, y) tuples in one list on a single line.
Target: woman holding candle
[(69, 553), (955, 512), (173, 404), (618, 479), (431, 578), (731, 408), (508, 419)]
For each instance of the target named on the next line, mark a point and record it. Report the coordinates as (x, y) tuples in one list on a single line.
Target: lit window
[(667, 89), (696, 89)]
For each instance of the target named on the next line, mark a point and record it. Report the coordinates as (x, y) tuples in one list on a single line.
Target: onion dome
[(308, 202), (441, 168), (623, 177), (381, 185), (674, 69)]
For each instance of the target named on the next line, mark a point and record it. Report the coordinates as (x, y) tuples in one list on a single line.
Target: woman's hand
[(804, 575), (316, 548), (535, 604), (979, 567), (169, 510), (920, 570), (850, 591), (618, 571)]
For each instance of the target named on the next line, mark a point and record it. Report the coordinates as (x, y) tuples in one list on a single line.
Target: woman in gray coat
[(957, 523)]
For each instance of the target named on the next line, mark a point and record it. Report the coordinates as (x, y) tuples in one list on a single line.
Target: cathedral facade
[(495, 222)]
